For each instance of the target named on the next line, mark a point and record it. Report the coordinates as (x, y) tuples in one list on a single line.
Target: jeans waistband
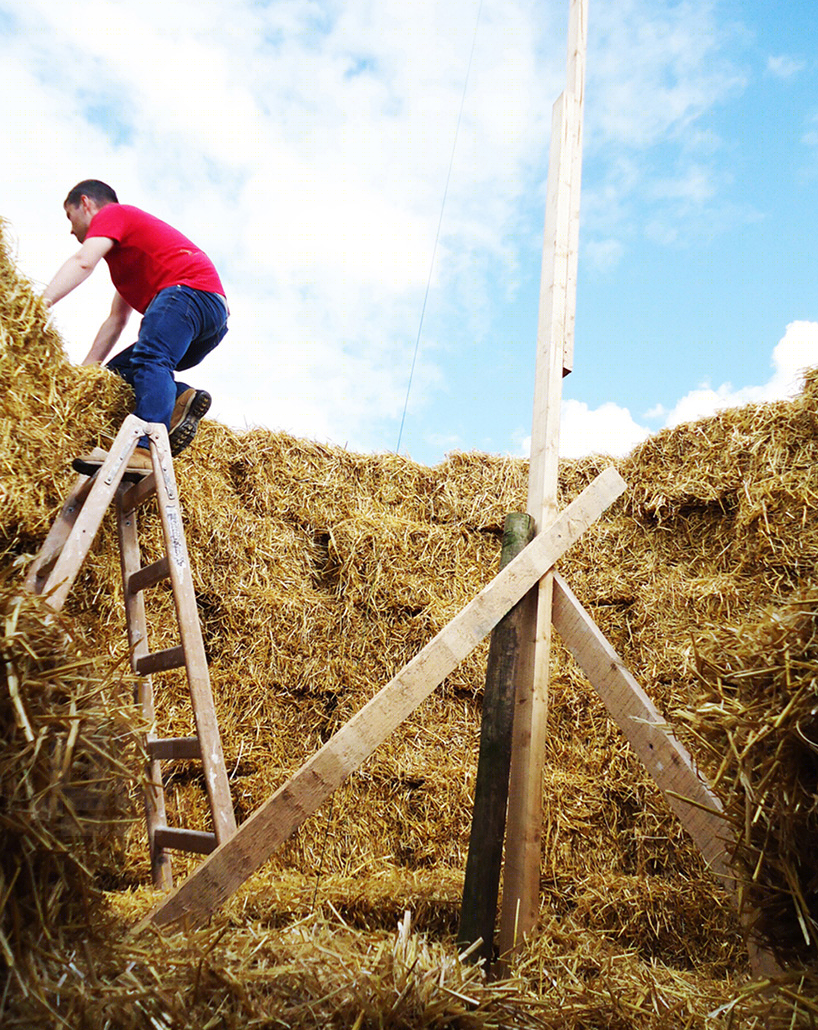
[(183, 286)]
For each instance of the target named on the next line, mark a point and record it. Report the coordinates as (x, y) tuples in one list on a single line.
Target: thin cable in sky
[(439, 224)]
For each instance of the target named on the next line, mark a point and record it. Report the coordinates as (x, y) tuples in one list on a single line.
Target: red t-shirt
[(149, 255)]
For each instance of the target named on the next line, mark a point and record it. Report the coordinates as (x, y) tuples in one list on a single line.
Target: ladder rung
[(161, 661), (149, 575), (184, 840), (136, 495), (167, 748)]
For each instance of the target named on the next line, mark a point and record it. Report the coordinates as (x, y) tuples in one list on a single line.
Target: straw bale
[(68, 763), (316, 484), (316, 972), (479, 490), (49, 411), (759, 717), (383, 563)]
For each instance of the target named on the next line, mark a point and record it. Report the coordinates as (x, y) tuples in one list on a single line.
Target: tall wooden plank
[(556, 318), (577, 47), (256, 839)]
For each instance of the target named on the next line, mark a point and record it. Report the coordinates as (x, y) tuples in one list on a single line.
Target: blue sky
[(306, 146)]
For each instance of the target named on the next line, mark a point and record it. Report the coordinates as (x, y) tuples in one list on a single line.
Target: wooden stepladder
[(52, 575)]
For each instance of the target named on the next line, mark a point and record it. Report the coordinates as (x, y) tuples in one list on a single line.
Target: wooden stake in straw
[(482, 879)]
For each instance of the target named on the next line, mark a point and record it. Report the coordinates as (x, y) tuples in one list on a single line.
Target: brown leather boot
[(190, 407)]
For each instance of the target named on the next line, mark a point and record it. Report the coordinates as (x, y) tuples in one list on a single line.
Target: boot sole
[(182, 435)]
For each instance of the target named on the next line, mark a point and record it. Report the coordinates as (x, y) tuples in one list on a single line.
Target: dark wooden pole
[(482, 882)]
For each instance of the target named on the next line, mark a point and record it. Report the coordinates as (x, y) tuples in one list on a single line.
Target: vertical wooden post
[(554, 359), (482, 881)]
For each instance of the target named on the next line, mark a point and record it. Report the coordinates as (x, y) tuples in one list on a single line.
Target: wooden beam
[(481, 883), (663, 755), (577, 47), (521, 876), (257, 838)]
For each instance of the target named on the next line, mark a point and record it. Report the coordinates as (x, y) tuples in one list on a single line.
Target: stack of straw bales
[(319, 574)]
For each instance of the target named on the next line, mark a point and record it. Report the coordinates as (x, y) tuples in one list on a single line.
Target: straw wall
[(319, 574)]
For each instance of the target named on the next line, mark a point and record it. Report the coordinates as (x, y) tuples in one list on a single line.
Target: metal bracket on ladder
[(52, 575)]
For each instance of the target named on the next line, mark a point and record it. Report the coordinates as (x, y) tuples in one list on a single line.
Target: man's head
[(83, 202)]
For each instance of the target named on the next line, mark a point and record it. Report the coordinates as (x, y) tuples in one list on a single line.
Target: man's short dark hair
[(100, 192)]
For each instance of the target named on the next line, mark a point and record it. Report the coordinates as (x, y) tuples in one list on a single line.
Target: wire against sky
[(439, 224)]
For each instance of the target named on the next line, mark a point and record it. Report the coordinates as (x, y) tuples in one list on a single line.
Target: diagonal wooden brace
[(233, 862), (663, 755), (666, 759)]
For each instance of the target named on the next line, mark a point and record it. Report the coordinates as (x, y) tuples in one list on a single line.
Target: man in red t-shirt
[(160, 273)]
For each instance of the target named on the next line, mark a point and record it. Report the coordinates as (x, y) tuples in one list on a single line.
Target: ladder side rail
[(201, 695), (53, 544), (105, 484), (137, 626)]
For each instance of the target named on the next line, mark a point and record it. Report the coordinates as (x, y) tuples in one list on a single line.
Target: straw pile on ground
[(319, 574)]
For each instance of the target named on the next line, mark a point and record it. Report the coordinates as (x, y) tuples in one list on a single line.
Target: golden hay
[(319, 574), (69, 758), (760, 717)]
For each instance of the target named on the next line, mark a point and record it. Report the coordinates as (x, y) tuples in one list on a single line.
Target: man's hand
[(109, 331), (77, 268)]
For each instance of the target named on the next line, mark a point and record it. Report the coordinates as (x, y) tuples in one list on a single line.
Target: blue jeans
[(180, 327)]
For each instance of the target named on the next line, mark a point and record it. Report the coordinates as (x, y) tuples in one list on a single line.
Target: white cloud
[(784, 66), (306, 149), (608, 429), (796, 351), (611, 429), (656, 70), (661, 66), (657, 411), (811, 136), (695, 185), (604, 254)]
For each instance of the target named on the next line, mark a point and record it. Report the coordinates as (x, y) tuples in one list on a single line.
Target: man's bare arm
[(109, 331), (77, 268)]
